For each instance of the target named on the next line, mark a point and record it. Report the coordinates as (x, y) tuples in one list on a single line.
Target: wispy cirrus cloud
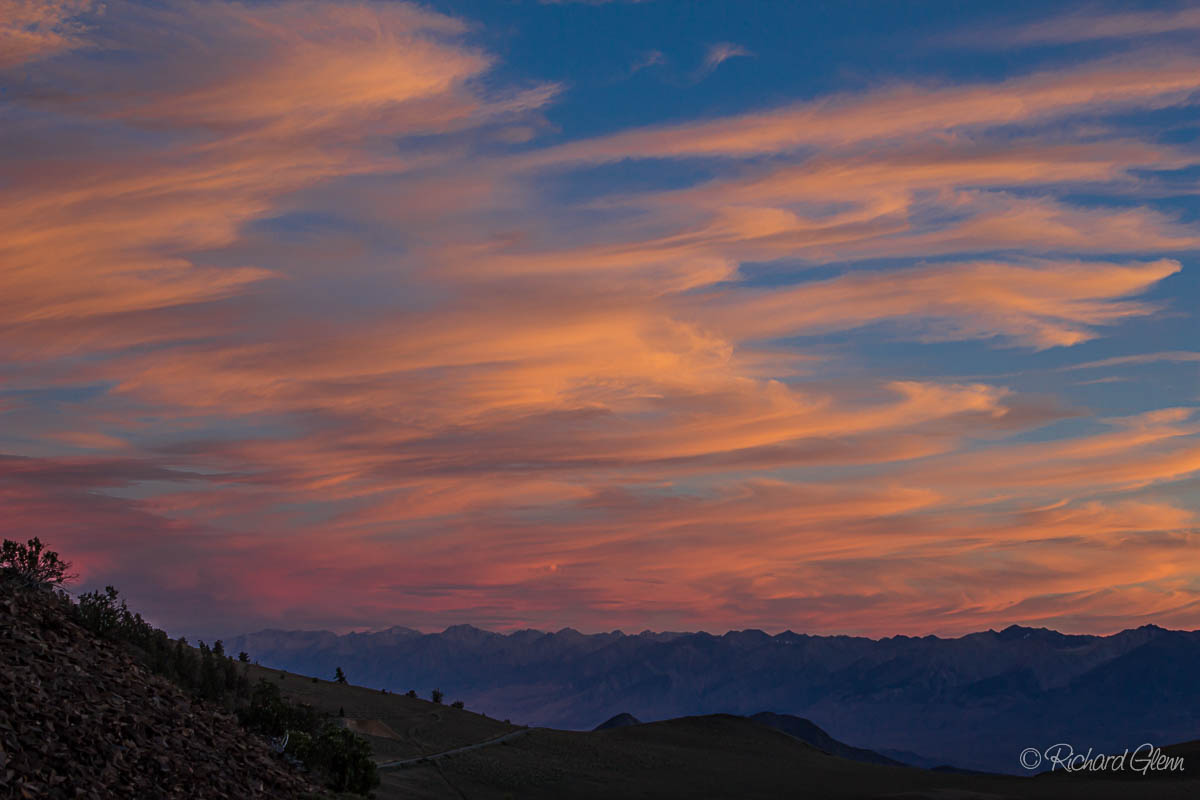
[(1141, 81), (1035, 305), (651, 58), (721, 52), (301, 280), (1091, 26), (1178, 356)]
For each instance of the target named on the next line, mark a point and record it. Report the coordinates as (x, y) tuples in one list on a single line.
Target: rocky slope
[(80, 719)]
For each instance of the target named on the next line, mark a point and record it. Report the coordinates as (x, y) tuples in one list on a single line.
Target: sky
[(844, 317)]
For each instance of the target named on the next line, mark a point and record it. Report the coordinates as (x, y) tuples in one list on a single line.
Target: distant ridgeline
[(974, 701)]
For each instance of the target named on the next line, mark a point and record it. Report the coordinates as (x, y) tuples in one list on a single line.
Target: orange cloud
[(305, 94), (1039, 305), (290, 283), (903, 111), (857, 206), (31, 30)]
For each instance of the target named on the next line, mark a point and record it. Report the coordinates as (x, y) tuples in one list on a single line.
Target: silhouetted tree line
[(337, 756), (206, 671)]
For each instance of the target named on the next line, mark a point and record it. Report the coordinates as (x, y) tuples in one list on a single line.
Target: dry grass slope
[(717, 756), (397, 726)]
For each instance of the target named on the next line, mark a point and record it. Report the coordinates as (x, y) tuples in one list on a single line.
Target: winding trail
[(408, 762)]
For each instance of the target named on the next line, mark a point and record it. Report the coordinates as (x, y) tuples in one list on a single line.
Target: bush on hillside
[(338, 757), (269, 714), (32, 564), (298, 745), (101, 614), (344, 760)]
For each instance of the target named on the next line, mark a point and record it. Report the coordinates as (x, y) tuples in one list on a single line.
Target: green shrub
[(269, 714), (299, 746), (101, 614), (337, 757), (343, 760)]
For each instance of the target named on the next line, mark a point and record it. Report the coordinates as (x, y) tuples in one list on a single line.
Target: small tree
[(339, 676), (437, 695), (212, 681), (244, 657), (411, 693), (457, 704), (32, 564)]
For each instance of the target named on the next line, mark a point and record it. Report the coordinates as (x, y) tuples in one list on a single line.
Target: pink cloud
[(32, 30), (456, 397)]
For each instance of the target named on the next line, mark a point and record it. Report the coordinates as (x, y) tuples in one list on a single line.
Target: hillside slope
[(806, 731), (396, 726), (80, 719)]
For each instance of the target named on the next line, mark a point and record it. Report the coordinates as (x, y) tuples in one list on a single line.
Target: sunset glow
[(603, 315)]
